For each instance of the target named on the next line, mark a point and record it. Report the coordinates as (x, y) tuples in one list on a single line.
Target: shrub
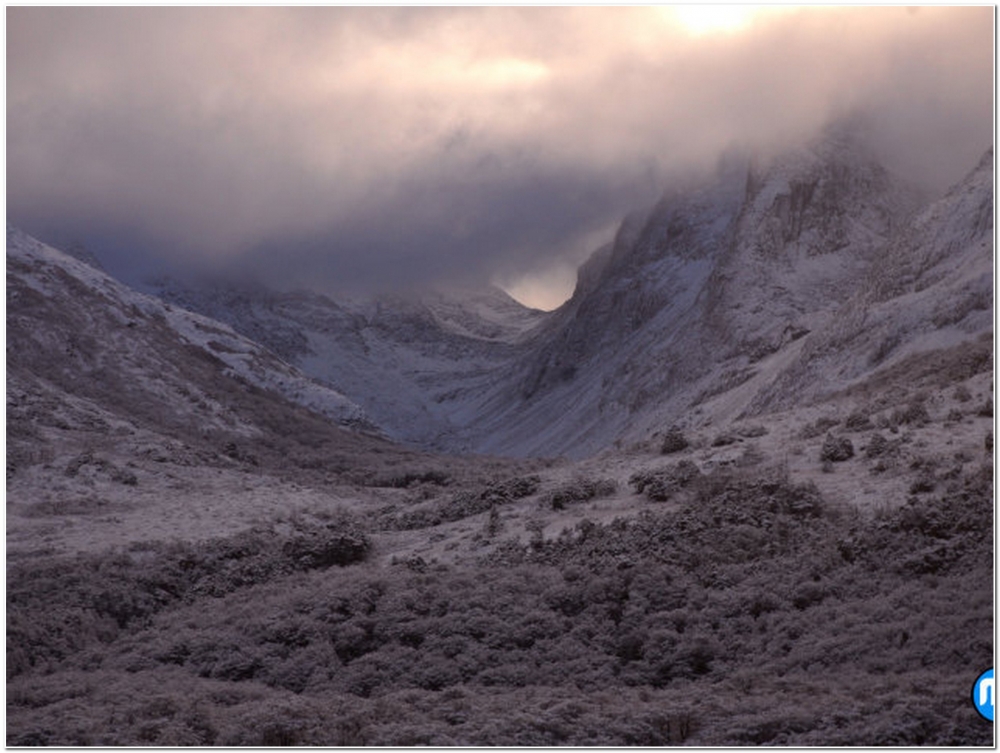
[(673, 441), (723, 440), (923, 483), (661, 485), (817, 427), (465, 504), (580, 490), (858, 421), (878, 446), (413, 478), (836, 449), (915, 413), (326, 546)]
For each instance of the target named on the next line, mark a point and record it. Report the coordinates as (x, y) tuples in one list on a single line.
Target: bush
[(923, 483), (836, 449), (661, 485), (580, 490), (413, 478), (723, 440), (752, 432), (325, 547), (858, 421), (673, 441), (878, 446), (915, 413), (464, 504), (817, 427)]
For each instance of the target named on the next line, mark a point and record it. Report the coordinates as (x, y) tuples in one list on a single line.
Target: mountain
[(930, 288), (413, 363), (736, 296), (101, 375), (65, 316), (207, 545), (763, 285)]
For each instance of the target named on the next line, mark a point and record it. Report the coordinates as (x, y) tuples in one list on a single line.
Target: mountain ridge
[(749, 279)]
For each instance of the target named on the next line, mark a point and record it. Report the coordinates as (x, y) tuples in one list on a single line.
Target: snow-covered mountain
[(413, 363), (762, 287), (75, 330), (765, 287)]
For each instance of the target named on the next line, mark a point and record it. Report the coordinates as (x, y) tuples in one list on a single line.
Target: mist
[(372, 148)]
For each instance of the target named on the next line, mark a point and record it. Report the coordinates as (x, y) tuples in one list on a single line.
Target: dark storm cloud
[(464, 230), (396, 145)]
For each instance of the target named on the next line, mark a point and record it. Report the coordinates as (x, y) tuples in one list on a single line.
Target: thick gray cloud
[(401, 145)]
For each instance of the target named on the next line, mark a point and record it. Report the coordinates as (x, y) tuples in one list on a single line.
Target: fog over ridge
[(367, 147)]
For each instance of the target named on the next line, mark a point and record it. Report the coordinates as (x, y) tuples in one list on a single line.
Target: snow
[(763, 286), (686, 320), (243, 357)]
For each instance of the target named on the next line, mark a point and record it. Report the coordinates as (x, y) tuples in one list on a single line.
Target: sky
[(362, 148)]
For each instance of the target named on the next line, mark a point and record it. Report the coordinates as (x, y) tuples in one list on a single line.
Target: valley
[(738, 490)]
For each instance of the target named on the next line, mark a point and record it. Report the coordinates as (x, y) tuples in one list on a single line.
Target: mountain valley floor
[(821, 576)]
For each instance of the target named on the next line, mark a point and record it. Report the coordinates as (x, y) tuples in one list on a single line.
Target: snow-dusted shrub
[(836, 449), (878, 446), (673, 441), (751, 456), (914, 413), (817, 427), (859, 420), (325, 546), (580, 490), (724, 439), (661, 485), (412, 478), (465, 504)]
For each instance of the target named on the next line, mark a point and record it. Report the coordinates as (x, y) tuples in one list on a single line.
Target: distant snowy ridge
[(242, 358), (763, 287), (415, 363)]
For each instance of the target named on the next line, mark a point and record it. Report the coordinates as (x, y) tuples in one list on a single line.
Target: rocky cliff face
[(746, 287), (929, 287)]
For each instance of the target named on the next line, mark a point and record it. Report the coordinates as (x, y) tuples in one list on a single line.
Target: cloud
[(403, 145)]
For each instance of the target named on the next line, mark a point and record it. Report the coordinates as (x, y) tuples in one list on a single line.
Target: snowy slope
[(763, 287), (737, 297), (57, 304), (931, 287), (415, 364)]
